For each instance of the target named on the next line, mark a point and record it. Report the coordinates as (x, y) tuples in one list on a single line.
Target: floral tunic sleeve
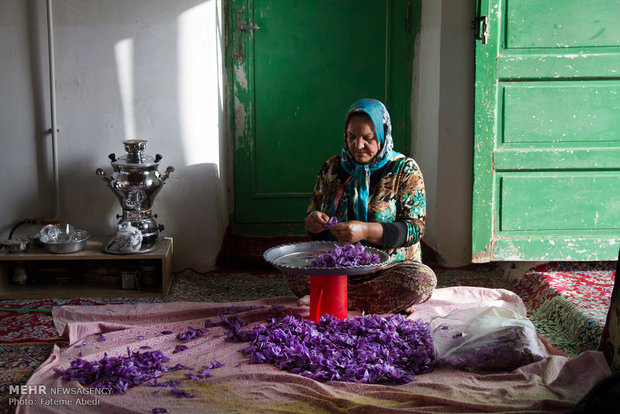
[(396, 195)]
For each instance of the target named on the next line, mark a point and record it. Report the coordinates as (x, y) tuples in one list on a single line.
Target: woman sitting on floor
[(378, 197)]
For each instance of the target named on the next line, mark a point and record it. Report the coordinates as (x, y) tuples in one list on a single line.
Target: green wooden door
[(547, 131), (295, 67)]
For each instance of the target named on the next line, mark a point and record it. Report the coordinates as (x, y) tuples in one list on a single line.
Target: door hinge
[(243, 27), (408, 18), (250, 27)]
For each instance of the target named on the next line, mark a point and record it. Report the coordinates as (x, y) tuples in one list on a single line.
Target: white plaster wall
[(443, 138), (23, 156), (149, 69)]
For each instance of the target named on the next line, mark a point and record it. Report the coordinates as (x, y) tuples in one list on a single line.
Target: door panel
[(562, 23), (561, 112), (547, 131), (558, 203), (292, 83)]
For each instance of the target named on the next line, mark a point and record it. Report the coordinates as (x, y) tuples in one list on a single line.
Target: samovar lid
[(135, 156)]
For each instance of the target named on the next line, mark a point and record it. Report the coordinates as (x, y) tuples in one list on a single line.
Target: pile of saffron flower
[(118, 373), (345, 256), (365, 349)]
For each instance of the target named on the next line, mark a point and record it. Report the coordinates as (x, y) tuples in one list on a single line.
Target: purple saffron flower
[(178, 367), (344, 256), (202, 374), (102, 337), (158, 410), (180, 348), (141, 338), (180, 394), (191, 333), (233, 324), (116, 373), (332, 222)]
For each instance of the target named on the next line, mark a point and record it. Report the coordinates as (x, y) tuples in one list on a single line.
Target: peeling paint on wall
[(240, 117), (483, 256), (240, 77)]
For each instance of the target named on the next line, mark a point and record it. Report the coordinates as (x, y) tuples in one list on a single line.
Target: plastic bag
[(491, 338)]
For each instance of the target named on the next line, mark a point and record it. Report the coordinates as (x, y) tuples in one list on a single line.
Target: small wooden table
[(71, 275)]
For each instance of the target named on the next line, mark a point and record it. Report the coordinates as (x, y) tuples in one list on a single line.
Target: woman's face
[(362, 139)]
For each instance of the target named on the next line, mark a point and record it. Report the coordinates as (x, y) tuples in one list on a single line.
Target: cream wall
[(153, 69), (443, 116)]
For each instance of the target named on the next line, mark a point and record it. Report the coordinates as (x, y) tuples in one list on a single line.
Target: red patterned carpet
[(568, 302), (588, 286), (31, 320)]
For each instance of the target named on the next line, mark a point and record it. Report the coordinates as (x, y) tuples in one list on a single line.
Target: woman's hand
[(316, 222), (354, 231)]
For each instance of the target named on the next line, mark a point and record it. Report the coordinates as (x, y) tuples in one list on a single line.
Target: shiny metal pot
[(135, 182)]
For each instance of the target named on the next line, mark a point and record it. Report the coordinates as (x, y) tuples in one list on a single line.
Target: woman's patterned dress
[(396, 195)]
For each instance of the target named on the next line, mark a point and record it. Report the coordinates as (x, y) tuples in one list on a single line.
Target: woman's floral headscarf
[(360, 173)]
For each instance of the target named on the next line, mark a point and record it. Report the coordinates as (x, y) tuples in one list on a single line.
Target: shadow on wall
[(39, 92), (188, 212)]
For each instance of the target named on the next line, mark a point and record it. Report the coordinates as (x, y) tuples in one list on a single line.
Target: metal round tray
[(296, 258)]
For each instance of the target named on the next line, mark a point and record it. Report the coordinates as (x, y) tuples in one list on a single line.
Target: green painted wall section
[(299, 83)]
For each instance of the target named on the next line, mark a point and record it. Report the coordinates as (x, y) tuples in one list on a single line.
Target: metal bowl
[(53, 233), (296, 258), (16, 245), (77, 243)]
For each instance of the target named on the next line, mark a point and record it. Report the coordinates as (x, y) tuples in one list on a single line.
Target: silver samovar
[(136, 182)]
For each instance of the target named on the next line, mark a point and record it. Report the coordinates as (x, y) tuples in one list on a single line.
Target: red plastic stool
[(328, 295)]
